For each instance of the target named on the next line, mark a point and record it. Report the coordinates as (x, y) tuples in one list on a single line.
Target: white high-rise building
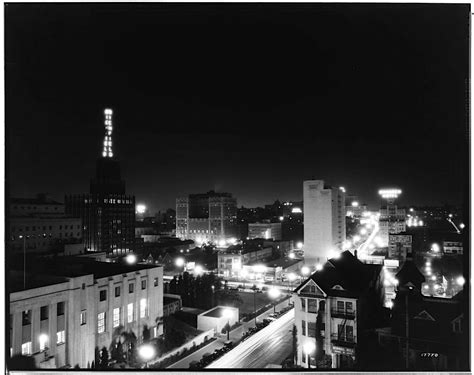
[(324, 221)]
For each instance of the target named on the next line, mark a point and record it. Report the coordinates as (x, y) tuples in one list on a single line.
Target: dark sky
[(246, 98)]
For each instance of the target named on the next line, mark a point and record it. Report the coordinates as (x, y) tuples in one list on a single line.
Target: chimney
[(355, 253)]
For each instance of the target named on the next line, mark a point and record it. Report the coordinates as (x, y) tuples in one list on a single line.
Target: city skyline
[(259, 107)]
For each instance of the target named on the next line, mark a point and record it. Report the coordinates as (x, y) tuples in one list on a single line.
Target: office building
[(209, 217), (107, 212), (324, 220), (265, 230), (40, 225), (334, 309), (399, 246), (63, 310), (392, 219), (230, 263)]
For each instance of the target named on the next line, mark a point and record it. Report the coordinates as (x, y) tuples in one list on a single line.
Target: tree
[(104, 358), (21, 362), (146, 333), (295, 343)]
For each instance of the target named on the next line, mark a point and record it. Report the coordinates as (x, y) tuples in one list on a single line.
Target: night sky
[(246, 98)]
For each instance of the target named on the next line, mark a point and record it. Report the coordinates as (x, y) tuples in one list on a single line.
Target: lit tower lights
[(390, 195), (107, 151)]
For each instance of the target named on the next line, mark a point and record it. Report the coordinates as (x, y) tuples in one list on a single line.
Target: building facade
[(324, 220), (210, 217), (107, 213), (62, 320), (265, 230), (399, 246), (332, 309)]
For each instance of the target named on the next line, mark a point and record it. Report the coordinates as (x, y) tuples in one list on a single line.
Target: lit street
[(269, 346)]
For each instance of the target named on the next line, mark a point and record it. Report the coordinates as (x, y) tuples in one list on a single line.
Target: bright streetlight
[(227, 313), (319, 267), (309, 347), (179, 262), (291, 256), (299, 245), (131, 259), (140, 208), (305, 270), (274, 293), (460, 281), (363, 231), (435, 248), (146, 353), (198, 270), (461, 225)]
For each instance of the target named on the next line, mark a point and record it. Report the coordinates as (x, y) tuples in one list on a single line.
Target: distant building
[(334, 309), (107, 212), (273, 270), (210, 217), (172, 303), (265, 230), (230, 263), (68, 309), (40, 225), (324, 220), (392, 219), (452, 247), (399, 246), (354, 207)]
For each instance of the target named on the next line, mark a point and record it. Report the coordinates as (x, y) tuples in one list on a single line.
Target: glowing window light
[(355, 204), (296, 210), (141, 209), (319, 267)]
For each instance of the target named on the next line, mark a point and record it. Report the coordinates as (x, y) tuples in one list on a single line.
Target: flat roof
[(216, 312), (282, 262)]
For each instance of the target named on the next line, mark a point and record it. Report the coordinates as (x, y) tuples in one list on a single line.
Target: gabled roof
[(348, 272), (424, 315), (410, 273)]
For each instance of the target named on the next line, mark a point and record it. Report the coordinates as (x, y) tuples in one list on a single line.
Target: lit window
[(142, 307), (130, 312), (102, 295), (101, 322), (43, 341), (143, 284), (26, 348), (155, 281), (116, 317), (61, 337), (83, 317)]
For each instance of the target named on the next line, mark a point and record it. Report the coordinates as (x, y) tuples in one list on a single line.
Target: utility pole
[(407, 319)]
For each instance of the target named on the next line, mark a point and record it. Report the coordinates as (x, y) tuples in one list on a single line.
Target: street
[(268, 346), (235, 335)]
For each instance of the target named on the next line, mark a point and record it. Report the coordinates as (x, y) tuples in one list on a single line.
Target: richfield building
[(107, 212)]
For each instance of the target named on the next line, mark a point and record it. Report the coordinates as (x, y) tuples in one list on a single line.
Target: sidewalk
[(234, 336)]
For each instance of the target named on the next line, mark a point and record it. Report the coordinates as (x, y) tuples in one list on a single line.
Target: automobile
[(273, 315), (268, 320), (228, 344)]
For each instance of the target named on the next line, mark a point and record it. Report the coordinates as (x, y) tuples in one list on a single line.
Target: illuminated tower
[(392, 219), (108, 214)]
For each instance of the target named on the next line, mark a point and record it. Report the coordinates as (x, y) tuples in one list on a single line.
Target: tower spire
[(107, 150)]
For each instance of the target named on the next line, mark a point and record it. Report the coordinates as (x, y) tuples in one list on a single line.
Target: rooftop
[(38, 200), (281, 262)]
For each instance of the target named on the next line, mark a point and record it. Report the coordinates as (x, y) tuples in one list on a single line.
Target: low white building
[(67, 310), (217, 318)]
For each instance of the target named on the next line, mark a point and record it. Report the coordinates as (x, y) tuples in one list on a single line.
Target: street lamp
[(227, 313), (146, 353), (131, 259), (274, 293), (198, 270), (179, 262), (308, 348), (305, 270)]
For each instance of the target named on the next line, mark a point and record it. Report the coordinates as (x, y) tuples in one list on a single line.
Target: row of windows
[(116, 315), (34, 207), (131, 287), (44, 313), (27, 347), (34, 227)]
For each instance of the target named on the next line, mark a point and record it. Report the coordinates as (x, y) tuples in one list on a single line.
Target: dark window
[(312, 305), (303, 327), (60, 309), (83, 286), (130, 288), (143, 284), (102, 295), (117, 291), (340, 305), (50, 227), (155, 281), (26, 317), (44, 312), (311, 329), (303, 304), (349, 333)]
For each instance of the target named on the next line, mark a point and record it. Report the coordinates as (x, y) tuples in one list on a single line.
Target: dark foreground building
[(108, 214)]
